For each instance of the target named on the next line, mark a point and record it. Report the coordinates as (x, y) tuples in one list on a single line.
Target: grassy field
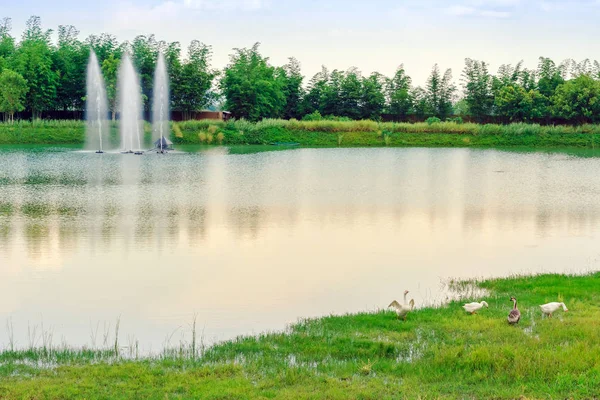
[(325, 133), (437, 353)]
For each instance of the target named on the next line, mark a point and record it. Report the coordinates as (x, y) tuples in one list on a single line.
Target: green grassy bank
[(436, 353), (325, 133)]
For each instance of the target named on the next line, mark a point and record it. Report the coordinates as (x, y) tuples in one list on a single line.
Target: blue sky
[(373, 36)]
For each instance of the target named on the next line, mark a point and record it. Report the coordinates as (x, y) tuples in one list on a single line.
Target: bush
[(314, 116), (433, 120), (456, 120)]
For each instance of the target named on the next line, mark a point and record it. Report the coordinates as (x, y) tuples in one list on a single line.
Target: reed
[(324, 133)]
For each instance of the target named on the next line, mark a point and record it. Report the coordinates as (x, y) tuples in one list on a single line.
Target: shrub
[(314, 116), (177, 130), (456, 120), (433, 120)]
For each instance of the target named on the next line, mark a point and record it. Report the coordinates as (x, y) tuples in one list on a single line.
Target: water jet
[(96, 106), (130, 106), (160, 107)]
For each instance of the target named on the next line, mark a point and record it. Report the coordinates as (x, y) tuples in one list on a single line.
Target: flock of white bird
[(514, 316)]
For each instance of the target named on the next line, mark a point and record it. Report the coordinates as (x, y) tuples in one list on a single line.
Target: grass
[(436, 353), (325, 133)]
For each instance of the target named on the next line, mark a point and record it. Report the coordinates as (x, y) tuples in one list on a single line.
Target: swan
[(548, 309), (403, 309), (474, 307), (515, 315)]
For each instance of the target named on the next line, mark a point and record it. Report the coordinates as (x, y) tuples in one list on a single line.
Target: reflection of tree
[(37, 235), (247, 221), (196, 217)]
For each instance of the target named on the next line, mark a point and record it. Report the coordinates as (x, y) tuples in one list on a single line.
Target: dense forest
[(39, 76)]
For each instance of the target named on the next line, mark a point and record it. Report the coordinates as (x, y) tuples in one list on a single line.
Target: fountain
[(160, 107), (130, 107), (96, 107)]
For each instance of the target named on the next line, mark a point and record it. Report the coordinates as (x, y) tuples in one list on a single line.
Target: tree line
[(38, 75)]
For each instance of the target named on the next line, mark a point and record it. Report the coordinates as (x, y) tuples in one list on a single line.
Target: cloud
[(219, 5), (461, 10), (131, 17), (484, 8)]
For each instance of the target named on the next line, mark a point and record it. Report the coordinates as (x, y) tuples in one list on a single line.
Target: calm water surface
[(250, 242)]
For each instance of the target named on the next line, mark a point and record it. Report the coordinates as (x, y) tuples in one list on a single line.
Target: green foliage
[(314, 116), (578, 100), (399, 98), (252, 87), (457, 120), (373, 98), (477, 83), (110, 69), (518, 104), (437, 353), (13, 88), (439, 92), (292, 88), (33, 60), (433, 120), (69, 62), (191, 90)]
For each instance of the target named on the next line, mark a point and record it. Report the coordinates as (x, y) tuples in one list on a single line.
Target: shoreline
[(437, 352), (323, 134)]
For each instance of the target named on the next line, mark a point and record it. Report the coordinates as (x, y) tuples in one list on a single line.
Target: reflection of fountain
[(96, 105), (130, 106), (160, 106)]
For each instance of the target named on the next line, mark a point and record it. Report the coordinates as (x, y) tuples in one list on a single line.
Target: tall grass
[(324, 133)]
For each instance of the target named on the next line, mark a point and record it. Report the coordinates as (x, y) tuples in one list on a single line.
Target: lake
[(249, 240)]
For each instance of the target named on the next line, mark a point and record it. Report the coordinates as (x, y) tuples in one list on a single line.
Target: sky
[(376, 35)]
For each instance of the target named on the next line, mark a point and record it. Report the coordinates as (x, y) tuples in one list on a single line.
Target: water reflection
[(253, 241)]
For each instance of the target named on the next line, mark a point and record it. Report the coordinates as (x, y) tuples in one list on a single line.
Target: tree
[(250, 85), (292, 88), (12, 93), (397, 90), (351, 94), (104, 45), (313, 100), (192, 90), (144, 50), (331, 103), (373, 98), (7, 42), (420, 106), (110, 70), (550, 76), (519, 104), (578, 100), (70, 60), (33, 60), (440, 91), (477, 83)]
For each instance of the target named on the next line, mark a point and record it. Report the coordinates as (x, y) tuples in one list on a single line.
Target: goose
[(474, 307), (515, 315), (548, 309), (403, 309)]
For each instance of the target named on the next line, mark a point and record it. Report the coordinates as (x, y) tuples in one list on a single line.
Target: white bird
[(474, 307), (403, 309), (548, 309)]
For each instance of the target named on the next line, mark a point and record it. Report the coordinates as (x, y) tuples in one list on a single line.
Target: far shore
[(324, 133)]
